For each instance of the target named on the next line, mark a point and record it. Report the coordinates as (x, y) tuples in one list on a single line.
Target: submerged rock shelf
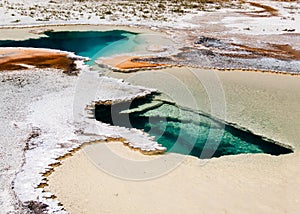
[(185, 131)]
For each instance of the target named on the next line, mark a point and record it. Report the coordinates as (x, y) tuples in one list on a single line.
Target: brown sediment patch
[(130, 64), (266, 11), (278, 51), (293, 53), (24, 58), (42, 185)]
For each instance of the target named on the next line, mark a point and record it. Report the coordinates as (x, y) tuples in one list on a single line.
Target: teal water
[(92, 44), (184, 131), (180, 130)]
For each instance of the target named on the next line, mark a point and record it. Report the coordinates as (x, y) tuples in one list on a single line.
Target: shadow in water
[(184, 131)]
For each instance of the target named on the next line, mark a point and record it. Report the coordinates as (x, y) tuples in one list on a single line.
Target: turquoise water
[(184, 131), (180, 130), (92, 44)]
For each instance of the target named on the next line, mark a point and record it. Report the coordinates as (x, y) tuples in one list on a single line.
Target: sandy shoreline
[(234, 184)]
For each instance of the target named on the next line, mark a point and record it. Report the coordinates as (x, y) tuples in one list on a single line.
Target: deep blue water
[(92, 44), (187, 132)]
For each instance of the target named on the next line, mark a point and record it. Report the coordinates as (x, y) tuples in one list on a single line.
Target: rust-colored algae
[(24, 58), (127, 64), (42, 185), (56, 164), (51, 197), (287, 49), (266, 11), (277, 51), (131, 64), (48, 172)]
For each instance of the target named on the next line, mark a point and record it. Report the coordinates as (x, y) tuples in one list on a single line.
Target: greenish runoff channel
[(92, 44), (185, 131)]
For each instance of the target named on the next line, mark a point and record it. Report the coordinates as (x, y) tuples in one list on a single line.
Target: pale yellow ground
[(267, 104), (236, 184)]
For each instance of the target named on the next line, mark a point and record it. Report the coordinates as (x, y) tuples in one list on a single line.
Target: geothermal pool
[(185, 131), (91, 44), (181, 130)]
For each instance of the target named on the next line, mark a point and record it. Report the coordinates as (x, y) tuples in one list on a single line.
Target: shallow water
[(185, 131), (180, 130), (92, 44)]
